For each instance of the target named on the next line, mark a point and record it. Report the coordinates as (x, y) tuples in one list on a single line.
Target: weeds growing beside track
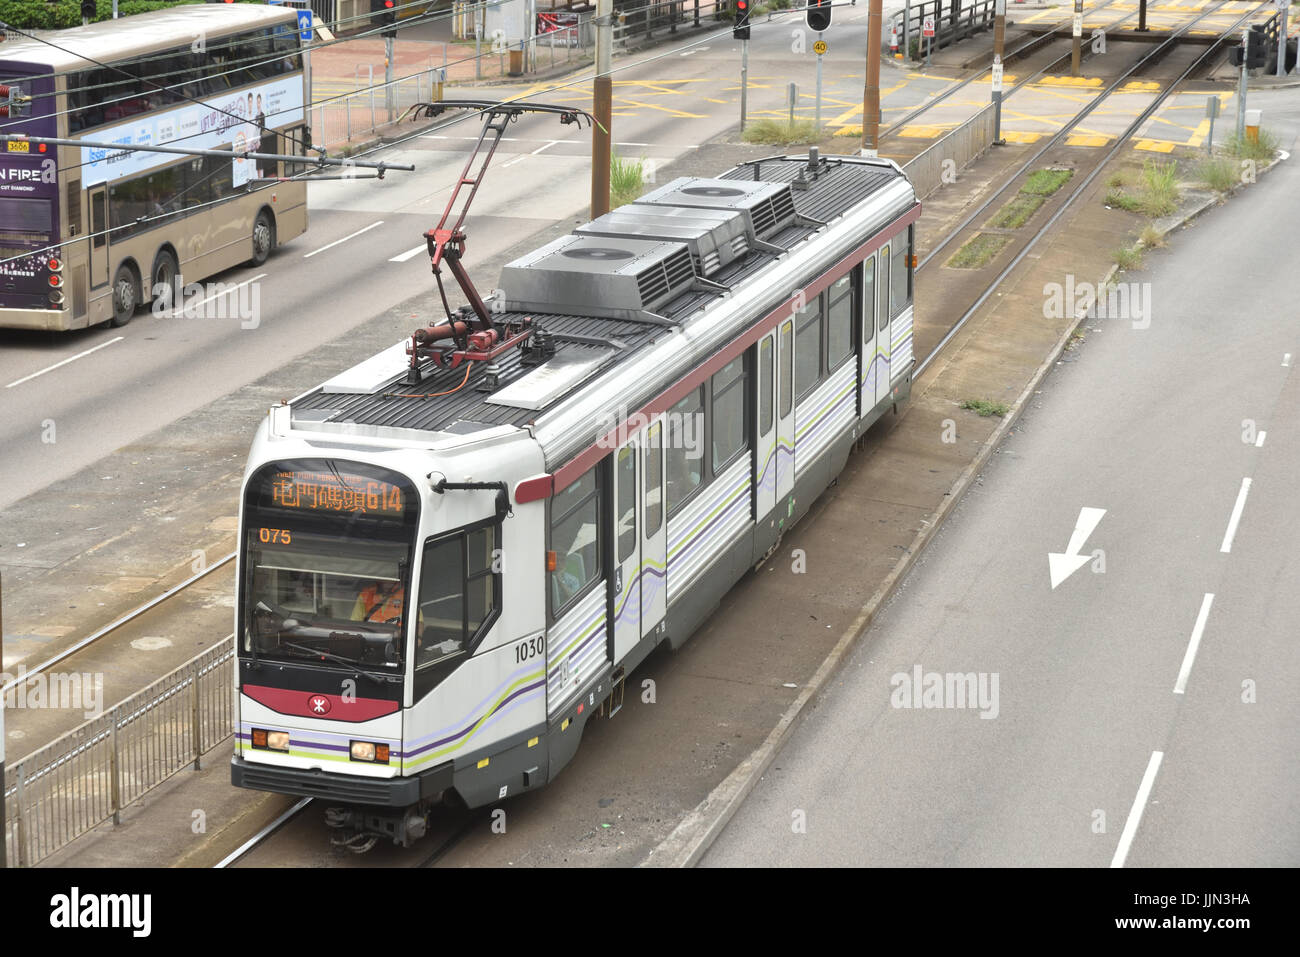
[(1154, 194), (978, 251), (986, 407), (771, 132), (626, 180), (1218, 173)]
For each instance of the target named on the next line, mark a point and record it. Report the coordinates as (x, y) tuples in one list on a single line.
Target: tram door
[(883, 372), (654, 535), (784, 411), (870, 364), (765, 447), (626, 584)]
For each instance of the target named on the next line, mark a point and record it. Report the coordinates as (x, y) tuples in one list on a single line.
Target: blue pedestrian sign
[(304, 26)]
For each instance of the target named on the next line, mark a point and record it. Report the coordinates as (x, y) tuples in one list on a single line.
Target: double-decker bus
[(88, 233)]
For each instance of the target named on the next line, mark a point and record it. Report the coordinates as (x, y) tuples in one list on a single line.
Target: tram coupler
[(360, 828)]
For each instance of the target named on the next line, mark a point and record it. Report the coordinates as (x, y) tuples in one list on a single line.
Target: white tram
[(444, 572)]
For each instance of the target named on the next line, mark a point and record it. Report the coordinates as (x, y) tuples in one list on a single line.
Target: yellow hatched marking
[(1012, 136), (1198, 135), (1155, 146), (1087, 139), (921, 132), (1134, 86), (1070, 81)]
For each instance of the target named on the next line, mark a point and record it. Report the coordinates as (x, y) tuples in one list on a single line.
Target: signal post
[(602, 108), (740, 31), (871, 88)]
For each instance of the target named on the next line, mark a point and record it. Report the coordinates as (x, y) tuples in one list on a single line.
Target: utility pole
[(744, 82), (1078, 38), (871, 90), (1283, 8), (602, 109), (1241, 87), (999, 36), (389, 95)]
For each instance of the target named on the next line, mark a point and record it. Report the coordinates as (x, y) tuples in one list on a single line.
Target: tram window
[(883, 310), (481, 579), (839, 321), (684, 455), (787, 367), (728, 431), (654, 511), (900, 285), (575, 539), (808, 347), (441, 629), (625, 501), (868, 299), (765, 386)]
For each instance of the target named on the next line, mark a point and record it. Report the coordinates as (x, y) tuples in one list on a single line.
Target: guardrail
[(87, 776), (958, 146), (959, 21)]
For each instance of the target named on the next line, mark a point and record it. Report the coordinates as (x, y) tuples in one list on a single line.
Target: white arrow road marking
[(1062, 566)]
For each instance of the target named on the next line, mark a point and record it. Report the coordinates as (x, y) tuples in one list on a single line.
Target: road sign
[(997, 73), (819, 47), (927, 27), (304, 26)]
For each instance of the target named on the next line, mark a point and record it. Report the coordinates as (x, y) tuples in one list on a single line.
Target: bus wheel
[(125, 295), (263, 238), (164, 275)]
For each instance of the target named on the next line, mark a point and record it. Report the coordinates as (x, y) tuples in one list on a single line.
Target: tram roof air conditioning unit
[(716, 237), (605, 276), (767, 207)]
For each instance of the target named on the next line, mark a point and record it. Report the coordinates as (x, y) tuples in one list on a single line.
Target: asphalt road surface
[(1136, 720)]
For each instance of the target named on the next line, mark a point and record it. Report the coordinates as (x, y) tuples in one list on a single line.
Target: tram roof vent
[(768, 207), (716, 237), (612, 277)]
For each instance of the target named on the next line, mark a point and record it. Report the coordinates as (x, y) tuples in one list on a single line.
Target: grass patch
[(626, 180), (986, 407), (1127, 258), (1045, 182), (1122, 201), (1151, 238), (978, 251), (771, 132), (1017, 211), (1262, 149), (1159, 191), (1117, 180), (1218, 173)]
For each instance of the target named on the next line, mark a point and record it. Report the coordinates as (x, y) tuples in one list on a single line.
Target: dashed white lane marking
[(1185, 672), (1139, 805), (336, 242), (1237, 509), (1259, 439), (1286, 361), (79, 355), (409, 254)]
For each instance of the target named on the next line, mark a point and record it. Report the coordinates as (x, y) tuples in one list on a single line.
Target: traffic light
[(385, 13), (1256, 52), (819, 15), (87, 9), (740, 30)]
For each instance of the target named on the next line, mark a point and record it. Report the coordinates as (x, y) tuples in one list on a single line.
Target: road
[(1107, 687), (344, 270)]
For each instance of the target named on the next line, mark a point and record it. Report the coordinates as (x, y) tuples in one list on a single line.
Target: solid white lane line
[(28, 378), (1236, 516), (1135, 813), (410, 253), (1185, 672), (344, 239), (1259, 439)]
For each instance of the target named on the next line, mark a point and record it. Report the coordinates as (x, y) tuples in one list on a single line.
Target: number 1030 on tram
[(454, 553)]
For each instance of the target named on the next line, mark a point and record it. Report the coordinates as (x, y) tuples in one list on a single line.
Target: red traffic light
[(389, 4), (742, 4)]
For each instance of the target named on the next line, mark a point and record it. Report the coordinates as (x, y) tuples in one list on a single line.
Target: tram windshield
[(326, 572)]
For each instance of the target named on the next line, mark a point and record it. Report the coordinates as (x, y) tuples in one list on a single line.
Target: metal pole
[(1241, 88), (389, 93), (792, 94), (744, 82), (1142, 16), (907, 15), (1282, 7), (114, 9), (1078, 38), (871, 88), (819, 87), (999, 38), (602, 109), (479, 16)]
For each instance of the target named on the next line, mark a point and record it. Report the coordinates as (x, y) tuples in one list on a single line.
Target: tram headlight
[(370, 751), (271, 740)]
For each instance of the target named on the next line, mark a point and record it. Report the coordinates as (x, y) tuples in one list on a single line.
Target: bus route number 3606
[(529, 649)]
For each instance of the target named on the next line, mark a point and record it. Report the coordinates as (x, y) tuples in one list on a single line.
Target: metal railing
[(951, 151), (958, 21), (374, 106), (87, 776)]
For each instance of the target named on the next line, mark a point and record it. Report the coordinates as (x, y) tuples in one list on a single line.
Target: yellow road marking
[(1087, 139), (1134, 86), (681, 114), (1070, 81), (1013, 136), (1198, 136), (1155, 146), (922, 132)]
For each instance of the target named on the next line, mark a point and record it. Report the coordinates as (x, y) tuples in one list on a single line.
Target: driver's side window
[(460, 593)]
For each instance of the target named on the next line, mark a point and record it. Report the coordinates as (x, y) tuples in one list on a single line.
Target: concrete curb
[(695, 834)]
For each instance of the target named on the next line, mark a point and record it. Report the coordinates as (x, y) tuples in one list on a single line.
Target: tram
[(454, 553)]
